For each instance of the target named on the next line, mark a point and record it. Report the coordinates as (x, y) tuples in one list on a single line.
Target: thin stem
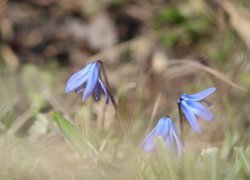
[(181, 123), (136, 161), (108, 87)]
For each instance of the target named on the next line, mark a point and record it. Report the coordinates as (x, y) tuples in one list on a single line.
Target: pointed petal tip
[(147, 145), (107, 98), (67, 90), (213, 89), (190, 117), (107, 102), (211, 118), (196, 130), (84, 97), (200, 95)]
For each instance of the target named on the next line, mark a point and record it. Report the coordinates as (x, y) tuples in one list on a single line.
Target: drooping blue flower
[(166, 129), (88, 78), (191, 107)]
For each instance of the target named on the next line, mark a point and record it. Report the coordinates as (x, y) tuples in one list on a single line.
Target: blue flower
[(191, 108), (88, 78), (166, 129)]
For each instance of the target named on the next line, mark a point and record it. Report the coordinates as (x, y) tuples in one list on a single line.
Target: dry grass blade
[(21, 120), (152, 117), (209, 70)]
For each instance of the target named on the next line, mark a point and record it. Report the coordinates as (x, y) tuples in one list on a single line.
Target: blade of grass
[(79, 142), (212, 71), (212, 160), (167, 160), (234, 171), (244, 160)]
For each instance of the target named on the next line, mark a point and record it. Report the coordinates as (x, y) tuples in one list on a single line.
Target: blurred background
[(153, 51)]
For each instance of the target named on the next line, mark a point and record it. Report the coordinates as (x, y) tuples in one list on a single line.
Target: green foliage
[(245, 160), (6, 109), (170, 15), (170, 39), (211, 160), (240, 168), (196, 25), (8, 119), (69, 131), (167, 160)]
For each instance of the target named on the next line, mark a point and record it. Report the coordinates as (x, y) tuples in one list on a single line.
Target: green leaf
[(69, 131)]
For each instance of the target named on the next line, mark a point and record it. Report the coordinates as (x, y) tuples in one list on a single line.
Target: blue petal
[(190, 116), (161, 129), (92, 80), (178, 143), (97, 90), (208, 103), (77, 79), (148, 143), (169, 140), (78, 90), (200, 95), (104, 90), (168, 128), (200, 110), (174, 135)]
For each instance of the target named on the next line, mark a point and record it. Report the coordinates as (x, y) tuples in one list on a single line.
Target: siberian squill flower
[(191, 107), (166, 129), (89, 79)]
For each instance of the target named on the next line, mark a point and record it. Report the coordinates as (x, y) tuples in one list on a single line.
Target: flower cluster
[(190, 105)]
